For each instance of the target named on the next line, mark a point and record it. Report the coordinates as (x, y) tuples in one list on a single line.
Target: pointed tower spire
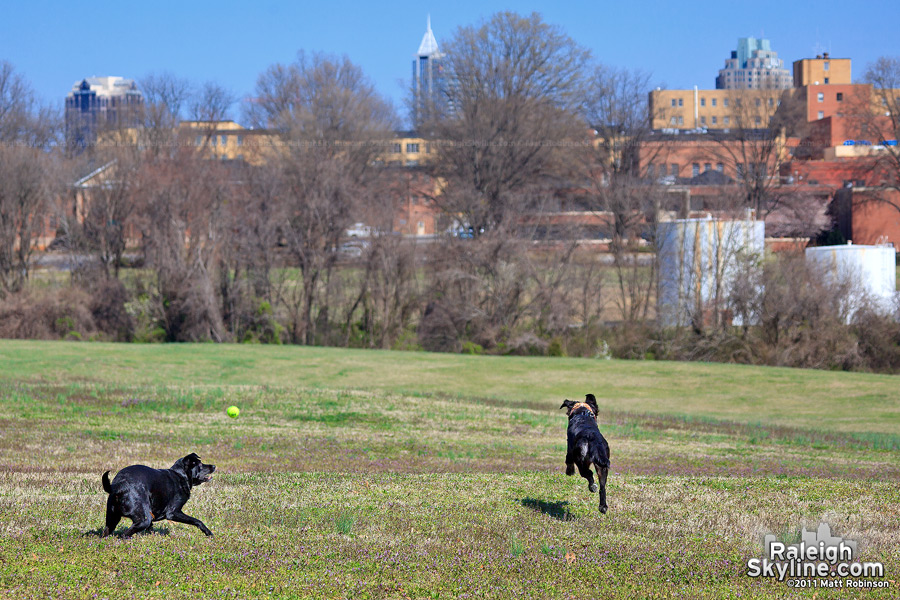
[(429, 45)]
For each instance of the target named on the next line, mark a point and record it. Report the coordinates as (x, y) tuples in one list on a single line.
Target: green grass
[(833, 401), (393, 475)]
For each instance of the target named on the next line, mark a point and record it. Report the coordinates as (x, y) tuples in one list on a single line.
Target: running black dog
[(586, 446), (145, 495)]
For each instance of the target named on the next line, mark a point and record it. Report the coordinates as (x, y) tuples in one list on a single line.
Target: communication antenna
[(818, 48)]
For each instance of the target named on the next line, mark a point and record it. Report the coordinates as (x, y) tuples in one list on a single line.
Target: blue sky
[(680, 43)]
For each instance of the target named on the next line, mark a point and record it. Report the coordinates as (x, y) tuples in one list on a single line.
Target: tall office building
[(754, 66), (98, 103), (428, 81)]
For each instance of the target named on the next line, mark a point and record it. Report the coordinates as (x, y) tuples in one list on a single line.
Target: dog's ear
[(591, 401), (567, 404), (187, 463)]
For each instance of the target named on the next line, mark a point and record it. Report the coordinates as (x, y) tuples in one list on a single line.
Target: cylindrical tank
[(870, 270), (699, 260)]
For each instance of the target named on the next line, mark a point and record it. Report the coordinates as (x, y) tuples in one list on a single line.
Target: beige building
[(228, 140), (697, 109), (822, 70)]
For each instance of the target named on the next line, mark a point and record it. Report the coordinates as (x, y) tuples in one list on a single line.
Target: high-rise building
[(754, 66), (428, 81), (98, 103)]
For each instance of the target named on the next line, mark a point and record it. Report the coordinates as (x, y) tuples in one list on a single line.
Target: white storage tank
[(871, 270), (699, 261)]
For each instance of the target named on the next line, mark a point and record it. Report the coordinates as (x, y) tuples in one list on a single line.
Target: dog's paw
[(570, 470), (603, 509), (593, 487)]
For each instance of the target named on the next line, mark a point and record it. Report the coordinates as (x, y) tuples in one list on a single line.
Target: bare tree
[(166, 97), (182, 204), (330, 121), (616, 109), (25, 192), (107, 206), (29, 175), (883, 119), (16, 101), (509, 121), (755, 145), (209, 105)]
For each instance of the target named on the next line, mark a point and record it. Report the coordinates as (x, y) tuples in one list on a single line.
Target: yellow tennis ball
[(233, 412)]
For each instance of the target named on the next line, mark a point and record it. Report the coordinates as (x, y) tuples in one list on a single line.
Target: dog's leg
[(603, 472), (180, 517), (140, 522), (113, 516), (570, 464), (585, 470)]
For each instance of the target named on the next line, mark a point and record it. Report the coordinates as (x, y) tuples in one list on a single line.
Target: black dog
[(145, 495), (586, 446)]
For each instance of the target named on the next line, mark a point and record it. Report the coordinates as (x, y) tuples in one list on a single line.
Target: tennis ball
[(233, 412)]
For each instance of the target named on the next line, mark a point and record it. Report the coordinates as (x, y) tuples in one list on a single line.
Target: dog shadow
[(120, 530), (556, 510)]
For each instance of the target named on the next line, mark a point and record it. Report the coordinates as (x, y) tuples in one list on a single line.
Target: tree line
[(234, 252)]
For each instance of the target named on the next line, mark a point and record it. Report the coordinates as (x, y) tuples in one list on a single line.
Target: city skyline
[(54, 45)]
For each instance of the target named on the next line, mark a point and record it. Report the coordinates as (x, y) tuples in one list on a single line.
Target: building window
[(702, 101), (703, 120), (713, 101), (396, 148), (725, 102), (695, 169), (826, 81), (714, 120), (825, 65), (821, 114), (240, 140), (650, 171), (757, 101), (681, 120), (673, 121), (199, 141), (707, 167), (726, 120), (720, 167), (758, 120), (412, 147), (673, 170), (840, 97), (820, 97), (681, 102), (674, 103), (224, 140)]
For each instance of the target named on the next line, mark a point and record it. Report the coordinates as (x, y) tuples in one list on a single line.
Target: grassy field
[(355, 474)]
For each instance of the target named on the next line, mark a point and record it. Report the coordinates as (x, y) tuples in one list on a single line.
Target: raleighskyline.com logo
[(819, 560)]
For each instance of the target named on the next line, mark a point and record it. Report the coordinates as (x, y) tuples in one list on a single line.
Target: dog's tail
[(106, 485)]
